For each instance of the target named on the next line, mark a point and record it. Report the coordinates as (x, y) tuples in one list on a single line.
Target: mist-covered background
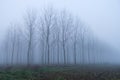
[(101, 16)]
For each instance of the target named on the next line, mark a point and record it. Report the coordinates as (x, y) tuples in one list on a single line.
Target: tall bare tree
[(30, 21), (66, 24)]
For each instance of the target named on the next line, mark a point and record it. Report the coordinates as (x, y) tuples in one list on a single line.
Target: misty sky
[(103, 16)]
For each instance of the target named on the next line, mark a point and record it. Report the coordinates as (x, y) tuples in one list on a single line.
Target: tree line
[(52, 37)]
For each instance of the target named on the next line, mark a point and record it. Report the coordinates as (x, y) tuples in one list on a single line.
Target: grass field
[(61, 73)]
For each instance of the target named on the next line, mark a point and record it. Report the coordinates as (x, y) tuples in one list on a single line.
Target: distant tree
[(75, 39), (30, 21), (56, 36), (47, 23), (13, 40), (66, 24)]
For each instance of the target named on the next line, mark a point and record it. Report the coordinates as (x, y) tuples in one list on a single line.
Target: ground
[(75, 72)]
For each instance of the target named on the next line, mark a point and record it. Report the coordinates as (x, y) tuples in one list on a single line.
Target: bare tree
[(42, 37), (82, 43), (18, 43), (30, 20), (65, 21), (75, 39), (47, 22), (58, 41), (7, 46), (62, 38), (13, 40)]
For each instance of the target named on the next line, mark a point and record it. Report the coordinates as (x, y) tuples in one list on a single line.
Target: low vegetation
[(60, 73)]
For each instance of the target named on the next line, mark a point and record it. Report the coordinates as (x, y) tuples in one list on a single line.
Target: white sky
[(103, 16)]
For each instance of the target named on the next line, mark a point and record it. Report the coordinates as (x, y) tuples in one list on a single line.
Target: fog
[(101, 20)]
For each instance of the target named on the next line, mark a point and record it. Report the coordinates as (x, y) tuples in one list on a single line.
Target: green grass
[(60, 73)]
